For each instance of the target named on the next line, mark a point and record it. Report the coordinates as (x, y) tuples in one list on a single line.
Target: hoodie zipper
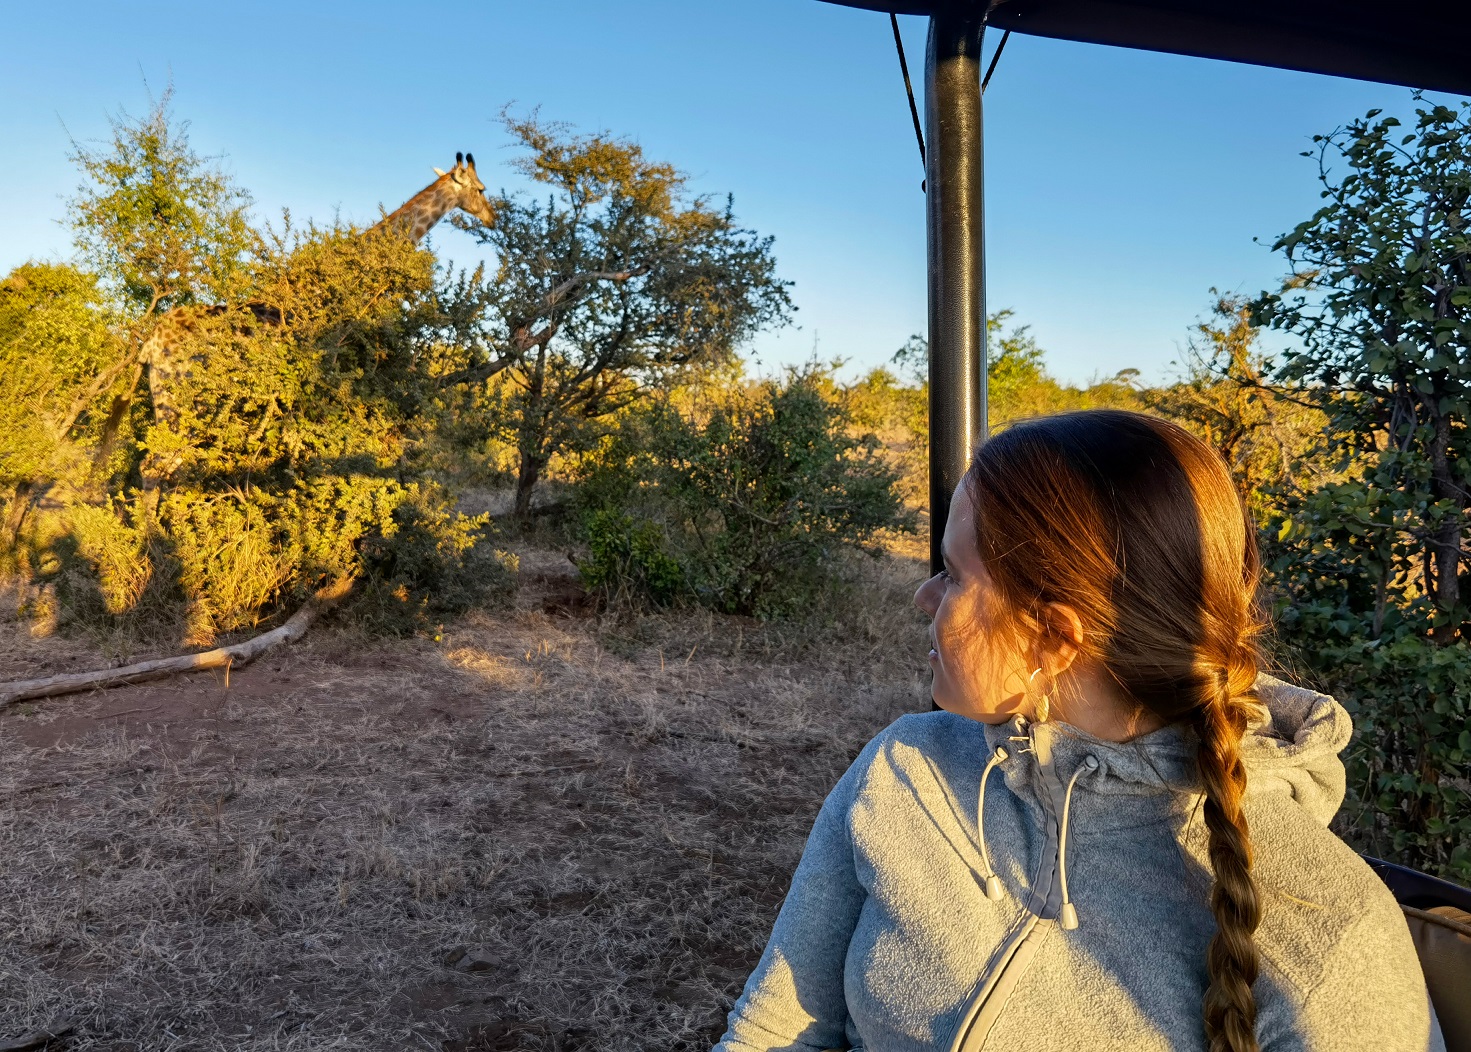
[(1016, 952), (1015, 956)]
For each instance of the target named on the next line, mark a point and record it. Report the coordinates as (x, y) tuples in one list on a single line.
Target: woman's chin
[(964, 707)]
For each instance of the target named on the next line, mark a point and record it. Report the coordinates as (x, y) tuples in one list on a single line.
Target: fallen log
[(221, 657)]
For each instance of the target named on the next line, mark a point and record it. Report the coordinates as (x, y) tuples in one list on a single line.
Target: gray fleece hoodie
[(1027, 886)]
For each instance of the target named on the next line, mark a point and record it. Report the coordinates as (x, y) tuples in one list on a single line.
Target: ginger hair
[(1135, 523)]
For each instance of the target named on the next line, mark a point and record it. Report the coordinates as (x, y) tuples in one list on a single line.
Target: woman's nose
[(924, 596)]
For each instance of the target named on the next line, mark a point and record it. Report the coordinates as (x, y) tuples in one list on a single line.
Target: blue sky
[(1121, 185)]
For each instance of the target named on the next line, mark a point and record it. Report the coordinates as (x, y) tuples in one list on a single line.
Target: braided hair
[(1136, 525)]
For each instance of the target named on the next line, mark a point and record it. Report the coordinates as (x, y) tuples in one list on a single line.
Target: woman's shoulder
[(927, 738), (922, 729), (918, 748), (1321, 904), (1337, 951)]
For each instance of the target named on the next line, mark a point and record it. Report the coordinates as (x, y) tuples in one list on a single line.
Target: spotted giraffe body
[(167, 365), (161, 353)]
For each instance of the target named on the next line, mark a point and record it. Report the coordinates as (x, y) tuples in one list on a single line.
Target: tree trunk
[(531, 466), (1446, 541), (531, 435), (15, 516)]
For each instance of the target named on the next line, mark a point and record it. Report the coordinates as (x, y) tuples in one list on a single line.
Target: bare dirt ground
[(547, 830)]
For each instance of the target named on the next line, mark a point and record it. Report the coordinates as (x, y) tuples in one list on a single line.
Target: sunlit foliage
[(605, 289), (163, 225), (1270, 436), (286, 459)]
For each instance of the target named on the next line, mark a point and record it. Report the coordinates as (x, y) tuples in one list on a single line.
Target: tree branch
[(556, 295), (221, 657), (474, 374), (102, 382)]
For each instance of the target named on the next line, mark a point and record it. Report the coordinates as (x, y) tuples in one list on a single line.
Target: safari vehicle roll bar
[(1420, 45)]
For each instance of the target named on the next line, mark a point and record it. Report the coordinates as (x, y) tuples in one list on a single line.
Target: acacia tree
[(605, 288), (163, 225), (1369, 568), (1265, 433)]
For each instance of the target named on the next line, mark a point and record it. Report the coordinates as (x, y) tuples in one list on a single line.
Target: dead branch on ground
[(38, 1038), (221, 657)]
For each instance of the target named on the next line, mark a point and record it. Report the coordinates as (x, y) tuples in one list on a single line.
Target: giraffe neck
[(419, 213)]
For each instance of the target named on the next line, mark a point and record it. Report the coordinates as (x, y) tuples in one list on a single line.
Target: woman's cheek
[(966, 646)]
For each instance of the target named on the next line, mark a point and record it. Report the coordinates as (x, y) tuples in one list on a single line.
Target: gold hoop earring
[(1042, 707)]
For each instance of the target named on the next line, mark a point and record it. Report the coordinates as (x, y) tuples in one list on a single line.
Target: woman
[(1115, 834)]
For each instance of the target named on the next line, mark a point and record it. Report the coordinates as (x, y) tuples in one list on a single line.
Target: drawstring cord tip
[(994, 891), (1068, 916)]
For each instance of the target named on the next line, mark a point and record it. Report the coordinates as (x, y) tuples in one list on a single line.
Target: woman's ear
[(1062, 637)]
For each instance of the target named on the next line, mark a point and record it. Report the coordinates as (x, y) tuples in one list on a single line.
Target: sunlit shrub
[(759, 499), (115, 551)]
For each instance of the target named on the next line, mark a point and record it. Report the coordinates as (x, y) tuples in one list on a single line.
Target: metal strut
[(908, 87), (954, 208)]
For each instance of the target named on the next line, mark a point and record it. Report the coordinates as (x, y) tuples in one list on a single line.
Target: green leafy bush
[(58, 354), (759, 500), (1371, 567), (1352, 615), (629, 559), (429, 563)]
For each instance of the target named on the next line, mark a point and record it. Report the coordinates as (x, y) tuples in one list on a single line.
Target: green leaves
[(161, 224), (608, 288), (56, 344), (1363, 589), (289, 450), (755, 499)]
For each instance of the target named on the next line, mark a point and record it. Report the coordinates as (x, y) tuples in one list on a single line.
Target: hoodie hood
[(1290, 749)]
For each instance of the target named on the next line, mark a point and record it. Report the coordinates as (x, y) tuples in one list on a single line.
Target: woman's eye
[(945, 575)]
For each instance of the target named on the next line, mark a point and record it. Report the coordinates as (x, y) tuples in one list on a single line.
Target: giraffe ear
[(438, 171)]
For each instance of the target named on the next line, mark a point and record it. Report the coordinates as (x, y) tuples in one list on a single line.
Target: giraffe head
[(467, 189), (459, 187)]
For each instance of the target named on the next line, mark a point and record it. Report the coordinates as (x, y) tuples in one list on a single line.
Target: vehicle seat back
[(1439, 915), (1442, 937)]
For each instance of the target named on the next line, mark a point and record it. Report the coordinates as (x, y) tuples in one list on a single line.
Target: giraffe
[(162, 359), (459, 187)]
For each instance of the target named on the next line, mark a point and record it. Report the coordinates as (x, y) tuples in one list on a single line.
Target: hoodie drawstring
[(993, 882), (1068, 917)]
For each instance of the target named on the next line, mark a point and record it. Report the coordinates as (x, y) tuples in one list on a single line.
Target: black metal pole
[(957, 257)]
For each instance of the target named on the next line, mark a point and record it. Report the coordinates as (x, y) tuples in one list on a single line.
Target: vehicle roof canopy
[(1422, 43)]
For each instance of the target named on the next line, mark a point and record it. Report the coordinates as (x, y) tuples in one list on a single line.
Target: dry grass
[(549, 831)]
